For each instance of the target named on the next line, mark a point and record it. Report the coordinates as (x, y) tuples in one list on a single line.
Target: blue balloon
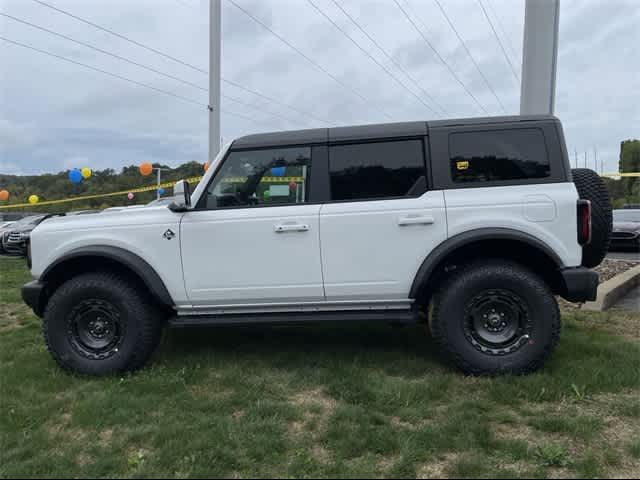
[(75, 176), (161, 191), (278, 171)]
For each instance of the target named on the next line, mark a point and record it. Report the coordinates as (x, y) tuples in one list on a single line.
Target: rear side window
[(498, 155), (377, 170)]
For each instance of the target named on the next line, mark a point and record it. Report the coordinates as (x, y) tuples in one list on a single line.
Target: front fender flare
[(123, 257)]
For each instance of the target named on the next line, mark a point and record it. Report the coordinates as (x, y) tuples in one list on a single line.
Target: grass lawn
[(319, 402)]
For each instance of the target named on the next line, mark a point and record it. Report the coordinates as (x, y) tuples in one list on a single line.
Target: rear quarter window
[(498, 155)]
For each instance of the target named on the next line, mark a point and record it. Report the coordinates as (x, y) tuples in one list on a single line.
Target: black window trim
[(424, 142), (320, 185), (441, 168), (201, 205)]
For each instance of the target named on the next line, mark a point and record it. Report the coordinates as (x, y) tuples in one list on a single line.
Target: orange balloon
[(146, 169), (206, 167), (4, 195)]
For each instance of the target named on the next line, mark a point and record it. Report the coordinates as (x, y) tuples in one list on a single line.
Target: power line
[(444, 62), (276, 101), (105, 52), (389, 56), (512, 50), (170, 57), (371, 57), (120, 77), (146, 47), (464, 45), (306, 57), (504, 52), (146, 67)]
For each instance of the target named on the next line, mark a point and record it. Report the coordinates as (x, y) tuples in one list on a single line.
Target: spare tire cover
[(591, 187)]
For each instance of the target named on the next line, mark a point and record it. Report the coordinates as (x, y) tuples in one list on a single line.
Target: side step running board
[(295, 318)]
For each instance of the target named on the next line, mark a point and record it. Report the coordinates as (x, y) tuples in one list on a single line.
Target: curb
[(614, 289)]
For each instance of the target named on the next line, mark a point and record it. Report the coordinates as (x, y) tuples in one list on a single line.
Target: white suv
[(471, 226)]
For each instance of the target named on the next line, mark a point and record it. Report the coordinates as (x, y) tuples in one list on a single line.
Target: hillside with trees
[(58, 186)]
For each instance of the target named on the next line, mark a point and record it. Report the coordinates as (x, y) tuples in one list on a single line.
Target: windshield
[(626, 215)]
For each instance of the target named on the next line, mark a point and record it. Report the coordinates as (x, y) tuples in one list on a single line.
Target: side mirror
[(182, 194)]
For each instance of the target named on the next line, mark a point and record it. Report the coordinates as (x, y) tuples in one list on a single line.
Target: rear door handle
[(415, 220), (294, 227)]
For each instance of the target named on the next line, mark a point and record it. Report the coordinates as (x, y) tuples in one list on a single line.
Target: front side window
[(377, 170), (491, 156), (277, 176)]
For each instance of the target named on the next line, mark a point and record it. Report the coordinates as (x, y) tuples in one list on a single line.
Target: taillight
[(584, 222)]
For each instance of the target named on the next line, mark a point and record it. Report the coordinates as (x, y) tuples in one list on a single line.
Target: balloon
[(266, 195), (131, 196), (293, 186), (33, 199), (206, 167), (278, 171), (146, 169), (75, 176), (4, 195), (86, 173), (161, 191)]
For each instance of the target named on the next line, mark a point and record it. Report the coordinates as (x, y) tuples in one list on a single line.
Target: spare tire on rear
[(591, 187)]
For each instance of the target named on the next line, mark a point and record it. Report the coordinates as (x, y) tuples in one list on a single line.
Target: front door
[(254, 239)]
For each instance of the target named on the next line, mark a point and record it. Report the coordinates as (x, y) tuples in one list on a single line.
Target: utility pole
[(215, 47), (585, 159), (576, 157), (539, 57)]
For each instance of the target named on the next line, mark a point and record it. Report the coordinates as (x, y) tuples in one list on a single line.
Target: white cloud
[(54, 114)]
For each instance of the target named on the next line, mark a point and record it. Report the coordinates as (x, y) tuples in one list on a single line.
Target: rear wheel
[(101, 324), (495, 317)]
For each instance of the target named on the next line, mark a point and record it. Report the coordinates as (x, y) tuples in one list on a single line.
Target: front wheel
[(101, 324), (496, 317)]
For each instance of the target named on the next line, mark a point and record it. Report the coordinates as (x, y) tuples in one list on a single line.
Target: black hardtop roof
[(368, 132)]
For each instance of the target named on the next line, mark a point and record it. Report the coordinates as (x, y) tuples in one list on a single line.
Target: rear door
[(254, 238), (381, 222)]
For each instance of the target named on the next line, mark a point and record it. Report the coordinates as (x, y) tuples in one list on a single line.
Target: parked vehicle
[(4, 227), (470, 226), (626, 230), (15, 240)]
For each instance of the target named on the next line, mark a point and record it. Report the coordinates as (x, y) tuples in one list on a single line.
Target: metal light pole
[(215, 46), (539, 57), (160, 170)]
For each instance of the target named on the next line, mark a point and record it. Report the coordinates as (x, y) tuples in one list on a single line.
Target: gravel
[(610, 268)]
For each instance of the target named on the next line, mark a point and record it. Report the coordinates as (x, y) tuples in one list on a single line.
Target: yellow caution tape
[(265, 179), (101, 195), (633, 174), (197, 179)]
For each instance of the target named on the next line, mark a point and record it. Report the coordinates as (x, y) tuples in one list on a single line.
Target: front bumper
[(34, 295), (580, 284)]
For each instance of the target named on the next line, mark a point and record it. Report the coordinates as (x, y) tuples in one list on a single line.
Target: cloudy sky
[(56, 115)]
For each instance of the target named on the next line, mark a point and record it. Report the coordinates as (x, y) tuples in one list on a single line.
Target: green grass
[(318, 402)]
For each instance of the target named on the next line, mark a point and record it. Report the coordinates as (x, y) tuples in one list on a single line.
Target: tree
[(630, 163)]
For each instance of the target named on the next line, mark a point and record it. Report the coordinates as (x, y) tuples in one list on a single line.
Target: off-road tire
[(591, 187), (451, 318), (141, 324)]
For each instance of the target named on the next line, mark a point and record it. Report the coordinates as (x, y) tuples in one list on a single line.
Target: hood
[(626, 226), (128, 217)]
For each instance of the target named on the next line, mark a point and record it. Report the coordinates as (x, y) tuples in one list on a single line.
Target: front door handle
[(293, 227), (416, 220)]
